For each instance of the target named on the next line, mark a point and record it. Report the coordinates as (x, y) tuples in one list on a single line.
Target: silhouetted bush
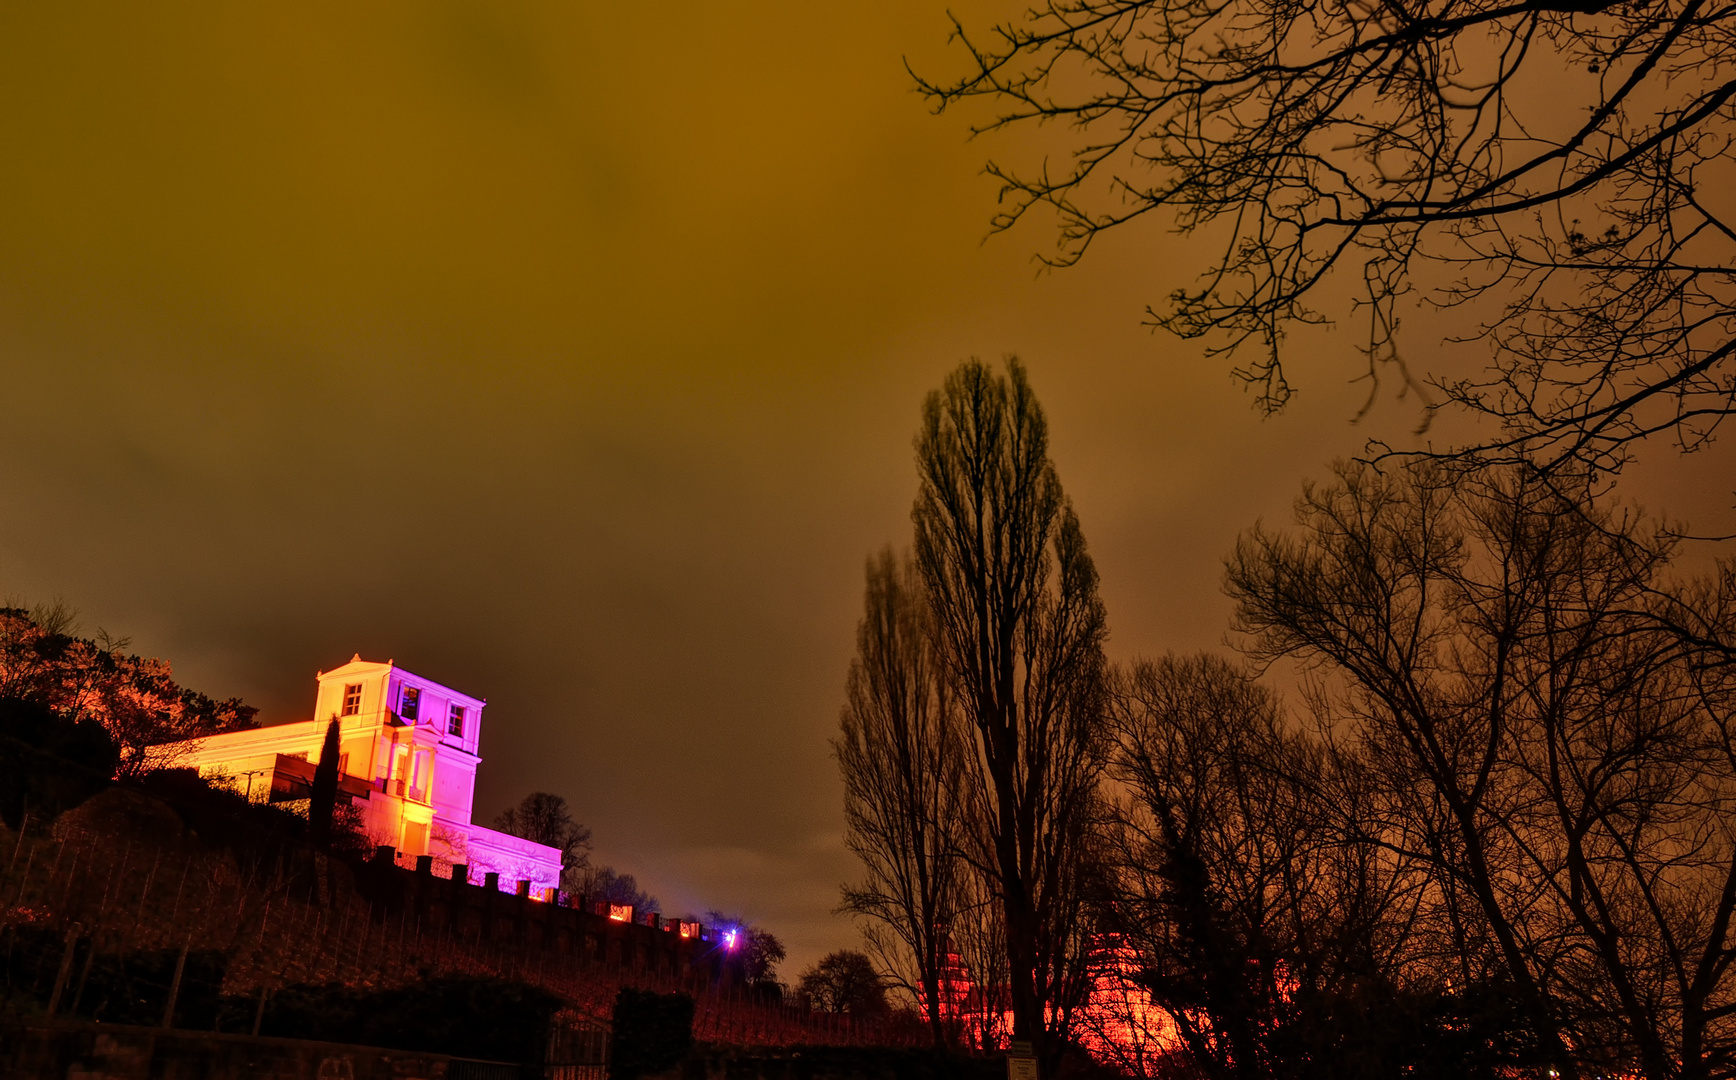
[(492, 1019), (48, 763), (652, 1032), (219, 815), (29, 958), (133, 988), (124, 988), (832, 1062)]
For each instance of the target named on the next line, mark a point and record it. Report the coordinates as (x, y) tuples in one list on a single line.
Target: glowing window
[(352, 699), (408, 704), (621, 912), (455, 721)]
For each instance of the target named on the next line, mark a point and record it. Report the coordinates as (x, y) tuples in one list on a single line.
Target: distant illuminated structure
[(406, 759), (1117, 1022)]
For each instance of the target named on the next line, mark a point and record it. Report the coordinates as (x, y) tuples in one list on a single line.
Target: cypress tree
[(324, 797)]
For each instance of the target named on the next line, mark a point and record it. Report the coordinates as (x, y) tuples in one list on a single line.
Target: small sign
[(1022, 1048), (1021, 1068)]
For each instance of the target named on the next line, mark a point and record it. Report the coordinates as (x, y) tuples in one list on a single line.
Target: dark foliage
[(134, 698), (490, 1019), (28, 959), (123, 988), (219, 816), (133, 988), (825, 1062), (652, 1032), (48, 763)]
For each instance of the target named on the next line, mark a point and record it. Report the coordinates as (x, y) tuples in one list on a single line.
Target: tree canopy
[(136, 699)]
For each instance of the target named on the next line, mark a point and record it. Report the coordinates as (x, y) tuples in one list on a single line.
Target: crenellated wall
[(570, 930)]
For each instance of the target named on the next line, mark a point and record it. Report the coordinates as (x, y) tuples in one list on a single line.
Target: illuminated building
[(406, 760), (1118, 1023)]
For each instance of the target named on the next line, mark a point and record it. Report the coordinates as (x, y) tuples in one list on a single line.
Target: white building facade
[(407, 759)]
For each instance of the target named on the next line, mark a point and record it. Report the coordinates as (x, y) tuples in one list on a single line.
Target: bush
[(492, 1019), (117, 988), (133, 988), (652, 1032), (48, 763)]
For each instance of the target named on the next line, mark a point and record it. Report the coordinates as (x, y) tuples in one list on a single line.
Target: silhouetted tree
[(1018, 629), (1279, 941), (1554, 159), (1220, 854), (604, 884), (323, 798), (1500, 655), (902, 758), (843, 982), (94, 679), (758, 950), (765, 951), (546, 819)]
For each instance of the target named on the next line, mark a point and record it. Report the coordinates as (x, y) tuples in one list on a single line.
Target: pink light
[(729, 939)]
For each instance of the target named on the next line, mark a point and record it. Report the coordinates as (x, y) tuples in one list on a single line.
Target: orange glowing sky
[(569, 353)]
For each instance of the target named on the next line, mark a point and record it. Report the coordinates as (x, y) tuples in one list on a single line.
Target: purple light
[(729, 939)]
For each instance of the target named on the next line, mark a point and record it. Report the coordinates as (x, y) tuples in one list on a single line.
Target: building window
[(455, 721), (352, 699), (412, 698)]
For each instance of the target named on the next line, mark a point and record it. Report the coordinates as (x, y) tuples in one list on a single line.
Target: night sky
[(570, 353)]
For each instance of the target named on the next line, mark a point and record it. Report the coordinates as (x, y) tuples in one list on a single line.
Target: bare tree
[(1278, 939), (843, 982), (1537, 734), (543, 818), (1019, 631), (603, 883), (902, 758), (1217, 854), (1564, 163)]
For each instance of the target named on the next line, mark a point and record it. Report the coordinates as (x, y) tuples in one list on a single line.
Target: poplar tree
[(1018, 631)]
